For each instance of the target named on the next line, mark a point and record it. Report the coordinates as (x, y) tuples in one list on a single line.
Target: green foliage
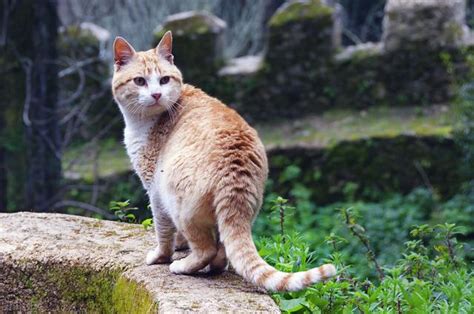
[(386, 224), (123, 211), (464, 133), (368, 169), (280, 206), (147, 223), (429, 276)]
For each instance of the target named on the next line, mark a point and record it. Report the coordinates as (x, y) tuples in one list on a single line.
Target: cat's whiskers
[(134, 108), (172, 110)]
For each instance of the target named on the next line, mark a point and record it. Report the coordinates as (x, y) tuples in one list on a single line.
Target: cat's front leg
[(165, 231)]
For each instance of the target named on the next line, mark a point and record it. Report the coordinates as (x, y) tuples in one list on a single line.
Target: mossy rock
[(197, 46), (296, 11), (424, 24), (373, 168), (302, 74), (192, 23), (365, 78), (77, 289), (401, 78), (300, 35), (301, 45)]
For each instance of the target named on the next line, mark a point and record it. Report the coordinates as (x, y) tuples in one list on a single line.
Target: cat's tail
[(235, 232)]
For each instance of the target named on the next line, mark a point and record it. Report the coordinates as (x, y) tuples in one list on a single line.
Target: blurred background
[(362, 104)]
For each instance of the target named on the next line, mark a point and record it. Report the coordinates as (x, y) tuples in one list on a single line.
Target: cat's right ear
[(123, 51)]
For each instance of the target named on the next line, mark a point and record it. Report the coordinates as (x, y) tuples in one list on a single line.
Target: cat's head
[(145, 83)]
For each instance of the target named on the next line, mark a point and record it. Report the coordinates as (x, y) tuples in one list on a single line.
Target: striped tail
[(244, 257)]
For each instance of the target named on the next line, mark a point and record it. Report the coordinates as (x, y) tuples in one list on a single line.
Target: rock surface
[(424, 24), (198, 40), (32, 244), (242, 66)]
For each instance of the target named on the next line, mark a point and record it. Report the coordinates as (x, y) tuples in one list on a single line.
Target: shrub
[(430, 276)]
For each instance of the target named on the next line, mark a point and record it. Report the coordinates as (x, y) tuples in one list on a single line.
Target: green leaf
[(147, 223), (292, 305)]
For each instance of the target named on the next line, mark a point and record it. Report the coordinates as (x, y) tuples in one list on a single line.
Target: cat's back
[(214, 136), (205, 114)]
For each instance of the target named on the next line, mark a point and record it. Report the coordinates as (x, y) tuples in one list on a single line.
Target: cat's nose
[(156, 96)]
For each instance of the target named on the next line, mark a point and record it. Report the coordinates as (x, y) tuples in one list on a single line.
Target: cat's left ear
[(164, 48)]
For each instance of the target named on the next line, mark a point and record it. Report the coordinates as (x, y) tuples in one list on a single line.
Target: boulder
[(302, 33), (302, 40), (198, 39), (64, 263), (426, 24)]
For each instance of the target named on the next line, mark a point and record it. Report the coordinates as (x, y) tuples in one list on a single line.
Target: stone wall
[(422, 55)]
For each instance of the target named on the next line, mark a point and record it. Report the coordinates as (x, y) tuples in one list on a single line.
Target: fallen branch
[(85, 206)]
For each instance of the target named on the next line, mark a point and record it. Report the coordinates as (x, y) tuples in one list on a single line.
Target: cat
[(203, 167)]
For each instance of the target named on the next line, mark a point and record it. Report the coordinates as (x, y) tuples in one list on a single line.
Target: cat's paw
[(156, 257), (179, 267)]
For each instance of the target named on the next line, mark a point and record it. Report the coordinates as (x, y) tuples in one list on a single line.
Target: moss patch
[(130, 297), (196, 24), (297, 11), (55, 287), (339, 125)]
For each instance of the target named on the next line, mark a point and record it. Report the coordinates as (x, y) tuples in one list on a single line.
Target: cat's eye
[(164, 80), (140, 81)]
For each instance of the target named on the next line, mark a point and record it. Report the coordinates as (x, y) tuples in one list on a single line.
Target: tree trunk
[(41, 120), (13, 43), (3, 169)]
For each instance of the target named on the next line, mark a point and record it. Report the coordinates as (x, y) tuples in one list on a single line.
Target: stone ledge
[(43, 254)]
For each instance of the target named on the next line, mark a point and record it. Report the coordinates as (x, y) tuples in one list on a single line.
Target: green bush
[(429, 275), (386, 224)]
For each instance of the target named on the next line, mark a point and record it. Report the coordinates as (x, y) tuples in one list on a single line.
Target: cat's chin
[(148, 112), (154, 110)]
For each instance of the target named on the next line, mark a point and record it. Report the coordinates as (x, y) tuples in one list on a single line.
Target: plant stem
[(282, 221), (370, 252)]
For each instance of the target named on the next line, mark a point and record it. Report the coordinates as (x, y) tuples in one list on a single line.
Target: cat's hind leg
[(180, 242), (219, 263), (203, 245), (165, 232)]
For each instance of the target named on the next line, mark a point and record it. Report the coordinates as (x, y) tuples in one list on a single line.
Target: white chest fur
[(136, 137)]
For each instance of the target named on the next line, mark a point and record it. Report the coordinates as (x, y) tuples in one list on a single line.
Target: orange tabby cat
[(203, 166)]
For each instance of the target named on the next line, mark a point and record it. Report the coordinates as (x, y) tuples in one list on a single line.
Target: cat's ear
[(123, 51), (164, 48)]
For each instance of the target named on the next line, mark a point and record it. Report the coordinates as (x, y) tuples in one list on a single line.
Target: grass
[(316, 131)]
